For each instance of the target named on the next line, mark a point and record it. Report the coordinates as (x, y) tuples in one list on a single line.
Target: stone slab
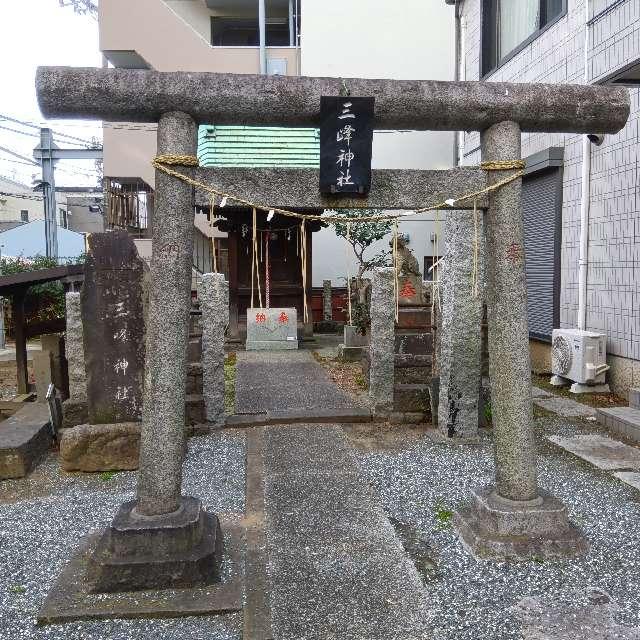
[(351, 354), (272, 329), (43, 371), (632, 478), (24, 439), (113, 324), (74, 347), (71, 597), (100, 447), (354, 338), (589, 616), (287, 380), (537, 392), (565, 407), (601, 451), (634, 398)]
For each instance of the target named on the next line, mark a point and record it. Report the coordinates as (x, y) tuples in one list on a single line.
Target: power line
[(21, 157), (32, 125), (24, 196)]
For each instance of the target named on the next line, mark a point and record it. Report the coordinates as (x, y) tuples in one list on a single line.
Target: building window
[(429, 261), (245, 32), (507, 26), (24, 215), (542, 217), (63, 218)]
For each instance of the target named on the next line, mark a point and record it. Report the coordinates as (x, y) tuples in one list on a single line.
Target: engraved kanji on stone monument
[(113, 328)]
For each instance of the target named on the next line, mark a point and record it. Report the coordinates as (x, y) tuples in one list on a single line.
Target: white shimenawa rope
[(255, 267)]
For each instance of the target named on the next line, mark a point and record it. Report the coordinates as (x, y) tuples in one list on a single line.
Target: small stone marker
[(410, 291), (460, 331), (214, 302), (74, 348), (113, 328), (382, 342), (272, 329), (327, 311)]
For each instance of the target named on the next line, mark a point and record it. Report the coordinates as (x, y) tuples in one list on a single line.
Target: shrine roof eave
[(140, 95), (298, 189)]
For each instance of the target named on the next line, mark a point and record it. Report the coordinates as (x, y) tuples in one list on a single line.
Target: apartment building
[(408, 39), (577, 193)]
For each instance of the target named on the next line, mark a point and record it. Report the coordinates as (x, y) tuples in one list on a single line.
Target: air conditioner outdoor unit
[(580, 357)]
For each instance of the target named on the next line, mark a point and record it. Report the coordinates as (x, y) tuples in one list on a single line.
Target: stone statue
[(406, 264)]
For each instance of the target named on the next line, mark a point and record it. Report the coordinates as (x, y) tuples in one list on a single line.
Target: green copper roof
[(258, 147)]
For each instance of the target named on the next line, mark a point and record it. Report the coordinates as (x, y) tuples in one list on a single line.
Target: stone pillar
[(327, 310), (214, 303), (514, 518), (382, 342), (163, 420), (164, 539), (461, 317), (74, 348), (509, 361)]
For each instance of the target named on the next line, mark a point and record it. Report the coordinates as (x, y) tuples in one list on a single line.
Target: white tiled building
[(544, 41)]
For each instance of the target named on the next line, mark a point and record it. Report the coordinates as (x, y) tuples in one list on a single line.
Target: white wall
[(399, 39)]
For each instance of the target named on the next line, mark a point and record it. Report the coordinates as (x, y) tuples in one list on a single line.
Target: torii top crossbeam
[(131, 95)]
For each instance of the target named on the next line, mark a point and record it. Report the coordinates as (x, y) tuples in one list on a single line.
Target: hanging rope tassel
[(475, 274), (214, 259), (267, 272), (348, 274), (303, 252), (396, 277)]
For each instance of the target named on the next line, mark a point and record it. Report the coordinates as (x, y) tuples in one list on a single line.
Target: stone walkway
[(336, 567), (284, 380)]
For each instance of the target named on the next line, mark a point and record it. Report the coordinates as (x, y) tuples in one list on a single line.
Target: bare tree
[(83, 7)]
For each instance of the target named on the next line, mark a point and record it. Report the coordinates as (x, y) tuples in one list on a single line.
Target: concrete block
[(24, 438), (272, 329)]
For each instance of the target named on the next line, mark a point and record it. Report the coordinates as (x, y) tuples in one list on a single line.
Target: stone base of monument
[(75, 594), (271, 329), (498, 529), (100, 447)]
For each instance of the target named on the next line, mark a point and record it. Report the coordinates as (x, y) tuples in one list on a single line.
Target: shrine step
[(414, 343), (413, 375), (194, 349), (411, 398), (194, 409), (414, 318), (194, 378)]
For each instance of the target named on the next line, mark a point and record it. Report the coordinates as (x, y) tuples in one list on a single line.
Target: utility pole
[(48, 154), (47, 163)]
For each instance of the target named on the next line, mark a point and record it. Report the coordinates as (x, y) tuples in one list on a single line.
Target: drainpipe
[(585, 197), (262, 28), (292, 37), (457, 156)]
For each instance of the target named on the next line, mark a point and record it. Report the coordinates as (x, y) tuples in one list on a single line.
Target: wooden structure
[(15, 286), (282, 235)]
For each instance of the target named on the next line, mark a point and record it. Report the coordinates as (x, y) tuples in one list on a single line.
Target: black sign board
[(346, 136)]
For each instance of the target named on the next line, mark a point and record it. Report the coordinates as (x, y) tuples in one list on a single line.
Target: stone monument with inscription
[(272, 329), (113, 329), (113, 336)]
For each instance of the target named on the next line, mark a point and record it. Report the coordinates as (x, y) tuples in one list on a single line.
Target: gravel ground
[(43, 518), (420, 483)]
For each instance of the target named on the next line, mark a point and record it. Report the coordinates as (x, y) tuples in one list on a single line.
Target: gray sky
[(40, 32)]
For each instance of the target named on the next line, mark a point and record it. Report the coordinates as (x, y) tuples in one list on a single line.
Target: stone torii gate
[(511, 517)]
